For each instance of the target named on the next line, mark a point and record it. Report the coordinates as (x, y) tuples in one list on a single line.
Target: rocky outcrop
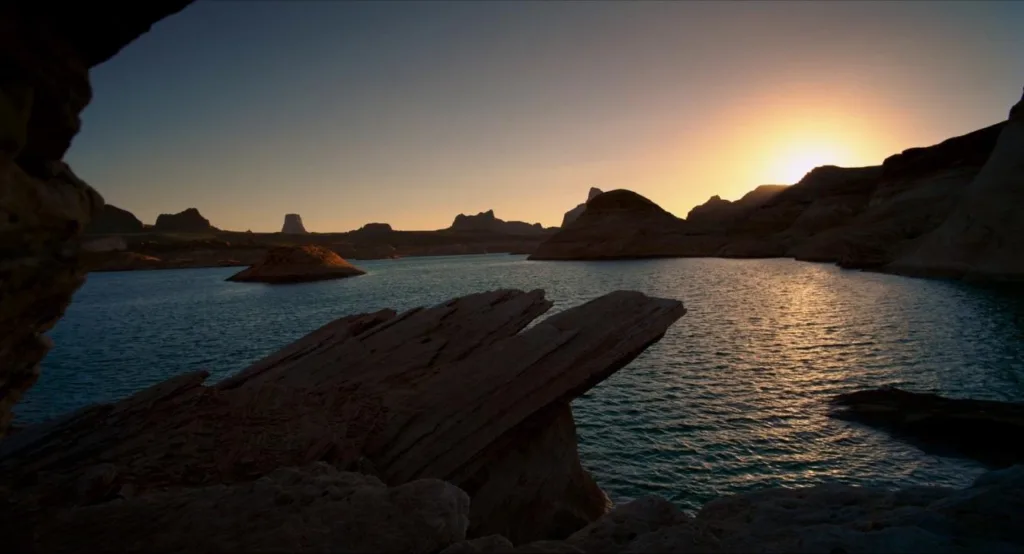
[(983, 237), (618, 224), (293, 225), (188, 221), (459, 392), (113, 220), (46, 54), (988, 431), (487, 222), (297, 264), (574, 213)]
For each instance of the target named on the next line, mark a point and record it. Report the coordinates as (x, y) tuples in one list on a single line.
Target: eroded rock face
[(720, 215), (112, 220), (297, 264), (574, 213), (46, 54), (293, 225), (983, 237), (187, 221)]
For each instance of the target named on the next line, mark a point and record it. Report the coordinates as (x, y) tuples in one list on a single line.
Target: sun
[(792, 163)]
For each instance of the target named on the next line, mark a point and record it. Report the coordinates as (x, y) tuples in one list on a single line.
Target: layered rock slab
[(457, 392), (297, 264)]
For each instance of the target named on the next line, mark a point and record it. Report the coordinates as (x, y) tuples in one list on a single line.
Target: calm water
[(733, 398)]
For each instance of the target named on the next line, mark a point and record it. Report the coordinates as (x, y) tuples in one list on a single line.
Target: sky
[(412, 112)]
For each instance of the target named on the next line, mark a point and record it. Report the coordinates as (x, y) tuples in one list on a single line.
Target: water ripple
[(732, 398)]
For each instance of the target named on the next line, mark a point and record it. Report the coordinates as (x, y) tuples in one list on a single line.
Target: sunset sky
[(411, 112)]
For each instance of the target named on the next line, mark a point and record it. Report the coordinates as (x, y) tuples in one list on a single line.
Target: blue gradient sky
[(411, 112)]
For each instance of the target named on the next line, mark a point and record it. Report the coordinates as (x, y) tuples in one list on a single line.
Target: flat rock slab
[(988, 431), (448, 392)]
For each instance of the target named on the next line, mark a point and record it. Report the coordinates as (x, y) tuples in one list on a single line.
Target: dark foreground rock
[(297, 264), (46, 53), (458, 392), (988, 431)]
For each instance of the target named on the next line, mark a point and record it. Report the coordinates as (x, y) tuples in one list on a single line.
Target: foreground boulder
[(315, 508), (988, 431), (459, 392), (297, 264), (293, 225), (46, 54)]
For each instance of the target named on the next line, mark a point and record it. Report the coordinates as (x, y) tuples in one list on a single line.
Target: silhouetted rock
[(720, 215), (188, 221), (46, 55), (374, 229), (113, 220), (488, 223), (574, 213), (297, 264), (989, 431), (617, 224), (293, 225), (983, 236)]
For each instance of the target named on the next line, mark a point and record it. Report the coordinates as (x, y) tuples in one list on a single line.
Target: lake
[(734, 397)]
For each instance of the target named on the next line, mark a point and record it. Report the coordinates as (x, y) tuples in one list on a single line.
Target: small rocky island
[(297, 264)]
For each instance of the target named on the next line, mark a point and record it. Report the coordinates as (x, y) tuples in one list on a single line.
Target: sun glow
[(795, 161)]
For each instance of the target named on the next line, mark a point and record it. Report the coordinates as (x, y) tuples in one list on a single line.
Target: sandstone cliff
[(297, 264), (187, 221), (983, 237), (293, 225), (46, 54), (574, 213), (112, 220)]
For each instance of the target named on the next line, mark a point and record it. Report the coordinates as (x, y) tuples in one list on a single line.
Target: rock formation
[(293, 225), (188, 221), (374, 229), (574, 213), (720, 215), (488, 223), (459, 392), (297, 264), (46, 54), (983, 237), (113, 220), (618, 224), (984, 430)]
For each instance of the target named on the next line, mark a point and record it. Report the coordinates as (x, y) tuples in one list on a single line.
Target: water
[(733, 398)]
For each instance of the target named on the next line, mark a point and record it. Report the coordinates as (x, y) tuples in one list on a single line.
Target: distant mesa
[(113, 220), (572, 214), (297, 264), (293, 225), (487, 222), (374, 229), (188, 221)]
